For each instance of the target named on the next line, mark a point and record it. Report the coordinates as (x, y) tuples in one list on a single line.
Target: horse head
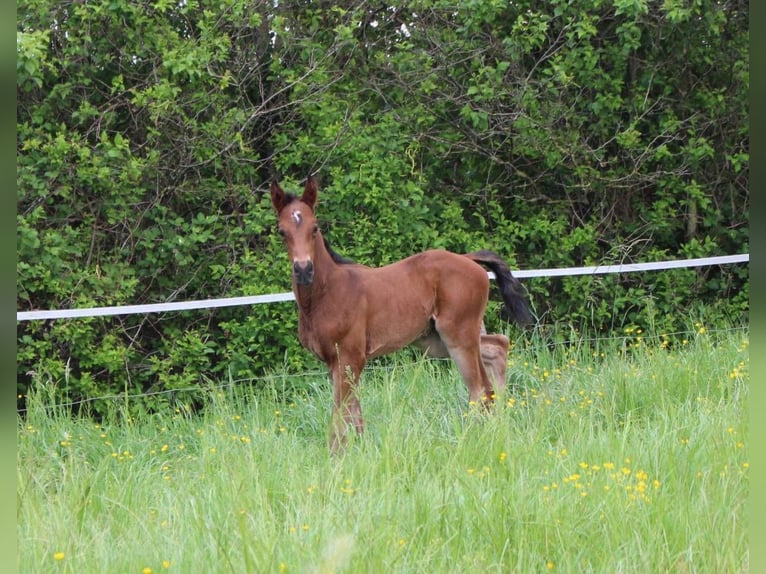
[(298, 228)]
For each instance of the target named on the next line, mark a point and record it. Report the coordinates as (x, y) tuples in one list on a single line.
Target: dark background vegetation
[(556, 133)]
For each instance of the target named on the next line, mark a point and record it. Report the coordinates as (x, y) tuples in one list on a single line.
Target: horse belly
[(378, 346), (396, 321)]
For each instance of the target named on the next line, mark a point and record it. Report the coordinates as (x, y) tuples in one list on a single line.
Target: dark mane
[(337, 257)]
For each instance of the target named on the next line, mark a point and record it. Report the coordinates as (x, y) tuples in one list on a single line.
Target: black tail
[(511, 289)]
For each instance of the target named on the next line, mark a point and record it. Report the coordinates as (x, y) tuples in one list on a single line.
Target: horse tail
[(511, 289)]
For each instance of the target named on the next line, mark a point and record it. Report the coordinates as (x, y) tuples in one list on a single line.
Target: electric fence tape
[(280, 297)]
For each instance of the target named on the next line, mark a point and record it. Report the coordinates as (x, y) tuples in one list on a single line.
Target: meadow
[(627, 454)]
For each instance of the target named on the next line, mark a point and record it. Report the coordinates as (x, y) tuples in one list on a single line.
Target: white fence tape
[(278, 297), (631, 267)]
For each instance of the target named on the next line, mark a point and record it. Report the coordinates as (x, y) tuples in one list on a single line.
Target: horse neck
[(308, 296)]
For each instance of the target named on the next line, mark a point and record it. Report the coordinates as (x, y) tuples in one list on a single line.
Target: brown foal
[(349, 313)]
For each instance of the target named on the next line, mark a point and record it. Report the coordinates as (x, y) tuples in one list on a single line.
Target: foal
[(349, 313)]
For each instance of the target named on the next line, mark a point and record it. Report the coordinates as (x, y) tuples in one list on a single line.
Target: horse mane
[(337, 257)]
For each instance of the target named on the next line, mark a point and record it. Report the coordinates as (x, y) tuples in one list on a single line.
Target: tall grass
[(625, 455)]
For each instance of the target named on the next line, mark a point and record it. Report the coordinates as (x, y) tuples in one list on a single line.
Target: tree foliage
[(557, 133)]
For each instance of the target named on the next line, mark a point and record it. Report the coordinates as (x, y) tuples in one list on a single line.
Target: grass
[(626, 455)]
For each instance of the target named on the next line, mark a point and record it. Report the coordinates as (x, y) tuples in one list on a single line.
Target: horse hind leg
[(493, 348), (464, 346), (494, 355), (474, 375), (431, 344)]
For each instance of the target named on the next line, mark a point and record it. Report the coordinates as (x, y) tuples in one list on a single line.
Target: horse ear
[(278, 197), (310, 192)]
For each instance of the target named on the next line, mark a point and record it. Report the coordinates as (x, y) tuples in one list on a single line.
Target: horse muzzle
[(303, 271)]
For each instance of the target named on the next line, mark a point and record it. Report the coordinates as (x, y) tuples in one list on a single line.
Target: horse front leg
[(346, 408)]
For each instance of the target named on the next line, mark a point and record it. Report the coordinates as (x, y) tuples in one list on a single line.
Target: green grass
[(608, 456)]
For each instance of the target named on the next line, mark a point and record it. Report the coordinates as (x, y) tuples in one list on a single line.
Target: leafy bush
[(555, 133)]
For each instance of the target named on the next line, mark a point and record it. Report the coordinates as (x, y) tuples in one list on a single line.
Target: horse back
[(402, 298), (434, 272)]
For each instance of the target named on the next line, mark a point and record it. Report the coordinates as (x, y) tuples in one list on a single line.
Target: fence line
[(279, 297)]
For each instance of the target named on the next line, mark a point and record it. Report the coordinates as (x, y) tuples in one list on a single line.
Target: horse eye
[(282, 232), (315, 230)]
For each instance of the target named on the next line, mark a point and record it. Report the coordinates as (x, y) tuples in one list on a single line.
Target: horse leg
[(494, 355), (463, 343), (433, 346), (346, 408), (468, 361)]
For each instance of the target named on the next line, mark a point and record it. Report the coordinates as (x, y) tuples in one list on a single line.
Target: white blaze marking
[(297, 217)]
